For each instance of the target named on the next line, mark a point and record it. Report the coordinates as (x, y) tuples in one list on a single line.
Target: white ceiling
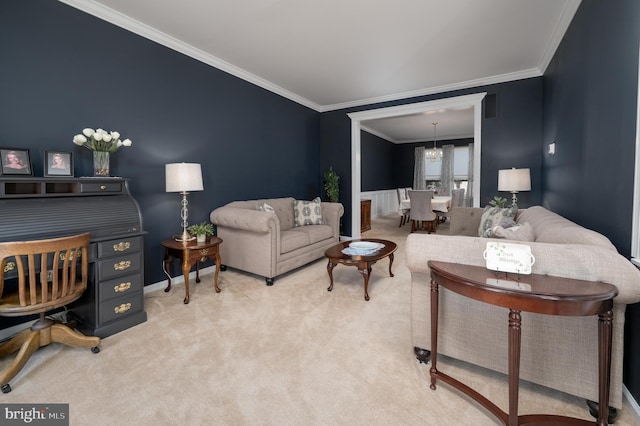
[(334, 54)]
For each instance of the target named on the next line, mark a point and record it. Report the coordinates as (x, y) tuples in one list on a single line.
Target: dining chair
[(457, 197), (37, 277), (404, 213), (457, 200), (421, 211)]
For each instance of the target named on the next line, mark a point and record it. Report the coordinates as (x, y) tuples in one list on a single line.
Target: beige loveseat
[(557, 352), (267, 243)]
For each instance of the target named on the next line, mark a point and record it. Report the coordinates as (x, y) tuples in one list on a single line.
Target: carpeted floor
[(291, 354)]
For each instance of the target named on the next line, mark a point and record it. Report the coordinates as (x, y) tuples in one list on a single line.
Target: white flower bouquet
[(100, 140)]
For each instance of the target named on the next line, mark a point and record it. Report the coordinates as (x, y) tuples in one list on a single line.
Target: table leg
[(605, 326), (215, 278), (433, 371), (515, 322), (330, 267), (390, 263), (365, 272), (185, 273), (166, 266), (197, 272)]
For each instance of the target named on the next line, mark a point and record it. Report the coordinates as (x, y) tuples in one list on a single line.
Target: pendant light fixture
[(433, 154)]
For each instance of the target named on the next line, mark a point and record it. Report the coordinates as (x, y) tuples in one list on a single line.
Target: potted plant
[(498, 202), (201, 231), (331, 186)]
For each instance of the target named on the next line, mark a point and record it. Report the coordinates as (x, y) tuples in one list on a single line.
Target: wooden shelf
[(56, 187)]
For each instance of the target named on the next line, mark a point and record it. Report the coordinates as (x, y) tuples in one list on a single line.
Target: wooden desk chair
[(37, 277)]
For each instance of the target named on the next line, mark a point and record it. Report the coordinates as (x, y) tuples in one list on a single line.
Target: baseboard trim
[(632, 402)]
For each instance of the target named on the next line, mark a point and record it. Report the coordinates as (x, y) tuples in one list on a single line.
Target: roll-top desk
[(34, 208)]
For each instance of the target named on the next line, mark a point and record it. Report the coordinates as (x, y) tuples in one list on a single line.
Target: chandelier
[(433, 154)]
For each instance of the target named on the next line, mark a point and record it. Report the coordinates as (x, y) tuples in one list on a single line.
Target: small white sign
[(508, 257)]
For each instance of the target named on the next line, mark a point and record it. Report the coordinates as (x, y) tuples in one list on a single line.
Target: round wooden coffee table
[(362, 262)]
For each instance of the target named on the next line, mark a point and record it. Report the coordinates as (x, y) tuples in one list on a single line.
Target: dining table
[(439, 203)]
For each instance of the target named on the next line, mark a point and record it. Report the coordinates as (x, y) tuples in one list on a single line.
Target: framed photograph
[(15, 161), (58, 163)]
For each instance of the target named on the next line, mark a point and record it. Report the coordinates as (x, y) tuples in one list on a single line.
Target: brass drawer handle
[(122, 265), (10, 266), (204, 252), (122, 246), (122, 287), (122, 308), (62, 255)]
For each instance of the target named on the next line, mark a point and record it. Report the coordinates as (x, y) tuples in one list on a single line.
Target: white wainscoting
[(383, 202)]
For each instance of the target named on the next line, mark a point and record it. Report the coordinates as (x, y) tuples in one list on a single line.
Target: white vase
[(201, 238)]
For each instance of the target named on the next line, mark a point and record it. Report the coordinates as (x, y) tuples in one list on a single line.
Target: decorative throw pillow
[(504, 223), (265, 208), (523, 232), (307, 212), (493, 216)]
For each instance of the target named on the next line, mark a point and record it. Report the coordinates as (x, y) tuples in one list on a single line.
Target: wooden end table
[(190, 253), (542, 294), (363, 263)]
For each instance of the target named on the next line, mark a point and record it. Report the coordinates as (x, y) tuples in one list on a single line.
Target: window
[(460, 165)]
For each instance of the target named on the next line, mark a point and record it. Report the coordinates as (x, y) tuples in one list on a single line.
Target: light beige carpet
[(291, 354)]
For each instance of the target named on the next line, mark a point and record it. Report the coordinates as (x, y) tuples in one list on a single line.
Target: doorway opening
[(474, 101)]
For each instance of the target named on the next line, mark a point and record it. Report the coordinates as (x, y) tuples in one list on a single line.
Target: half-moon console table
[(542, 294)]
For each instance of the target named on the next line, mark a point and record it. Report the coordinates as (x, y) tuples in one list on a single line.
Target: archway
[(474, 101)]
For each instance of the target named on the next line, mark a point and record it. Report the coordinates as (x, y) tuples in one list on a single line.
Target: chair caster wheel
[(95, 349), (6, 388)]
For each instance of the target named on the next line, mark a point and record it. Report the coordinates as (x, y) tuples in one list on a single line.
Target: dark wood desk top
[(543, 294)]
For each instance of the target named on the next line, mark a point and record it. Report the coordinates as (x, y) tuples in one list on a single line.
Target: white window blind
[(460, 165)]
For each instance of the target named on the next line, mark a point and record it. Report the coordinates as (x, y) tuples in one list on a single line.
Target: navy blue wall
[(378, 160), (63, 70), (590, 99), (511, 139)]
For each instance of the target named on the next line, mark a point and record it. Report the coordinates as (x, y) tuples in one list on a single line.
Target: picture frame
[(58, 163), (15, 161)]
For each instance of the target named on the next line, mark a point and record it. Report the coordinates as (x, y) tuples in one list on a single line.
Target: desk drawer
[(119, 287), (119, 266), (119, 246), (120, 307), (101, 187)]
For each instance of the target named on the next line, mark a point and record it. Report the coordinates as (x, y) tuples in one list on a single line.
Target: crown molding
[(502, 78), (116, 18), (378, 134), (405, 141), (566, 16)]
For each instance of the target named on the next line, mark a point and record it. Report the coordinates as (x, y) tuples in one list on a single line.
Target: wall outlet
[(49, 276)]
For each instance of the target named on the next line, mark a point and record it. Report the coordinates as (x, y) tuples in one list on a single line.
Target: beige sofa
[(557, 352), (267, 243)]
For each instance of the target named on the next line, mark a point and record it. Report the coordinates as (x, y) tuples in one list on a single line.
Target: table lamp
[(183, 178), (514, 180)]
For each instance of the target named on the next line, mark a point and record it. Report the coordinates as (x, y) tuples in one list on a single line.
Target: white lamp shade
[(183, 177), (514, 180)]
